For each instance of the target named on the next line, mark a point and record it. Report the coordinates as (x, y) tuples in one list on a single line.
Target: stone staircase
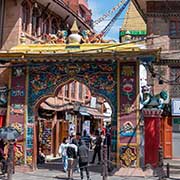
[(174, 168)]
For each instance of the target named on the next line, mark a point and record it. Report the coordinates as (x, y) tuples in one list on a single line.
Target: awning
[(91, 111), (64, 107)]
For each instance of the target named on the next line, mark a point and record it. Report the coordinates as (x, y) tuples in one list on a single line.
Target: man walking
[(97, 149), (72, 156), (83, 153), (63, 152)]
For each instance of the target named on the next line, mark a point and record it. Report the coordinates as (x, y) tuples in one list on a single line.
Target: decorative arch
[(100, 76)]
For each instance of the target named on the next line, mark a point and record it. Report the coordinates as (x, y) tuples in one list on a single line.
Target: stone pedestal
[(152, 122)]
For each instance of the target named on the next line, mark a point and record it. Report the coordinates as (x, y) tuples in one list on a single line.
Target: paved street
[(45, 174), (53, 171)]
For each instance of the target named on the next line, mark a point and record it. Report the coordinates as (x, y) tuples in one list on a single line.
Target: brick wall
[(162, 73), (158, 28), (12, 24)]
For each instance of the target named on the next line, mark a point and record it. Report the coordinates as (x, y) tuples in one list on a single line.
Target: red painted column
[(152, 120)]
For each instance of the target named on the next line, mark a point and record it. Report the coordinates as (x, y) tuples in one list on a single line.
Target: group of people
[(75, 150), (72, 149)]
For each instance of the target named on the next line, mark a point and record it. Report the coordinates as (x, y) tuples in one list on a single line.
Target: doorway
[(72, 110)]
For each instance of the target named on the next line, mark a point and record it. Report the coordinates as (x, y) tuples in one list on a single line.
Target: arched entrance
[(46, 80), (71, 110)]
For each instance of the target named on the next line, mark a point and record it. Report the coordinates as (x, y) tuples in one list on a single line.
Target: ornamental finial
[(74, 28)]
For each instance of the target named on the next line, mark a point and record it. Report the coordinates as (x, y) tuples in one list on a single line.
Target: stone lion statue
[(148, 100)]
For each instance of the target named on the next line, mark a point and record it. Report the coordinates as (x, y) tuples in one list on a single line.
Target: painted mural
[(17, 109), (99, 76), (128, 113), (128, 156)]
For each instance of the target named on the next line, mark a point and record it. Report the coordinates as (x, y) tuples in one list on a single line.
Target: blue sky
[(99, 7)]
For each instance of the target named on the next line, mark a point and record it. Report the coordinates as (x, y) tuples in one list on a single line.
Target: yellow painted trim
[(125, 144), (9, 97)]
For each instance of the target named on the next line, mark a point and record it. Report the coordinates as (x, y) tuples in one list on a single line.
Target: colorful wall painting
[(128, 156), (17, 108), (128, 113), (128, 95), (99, 75)]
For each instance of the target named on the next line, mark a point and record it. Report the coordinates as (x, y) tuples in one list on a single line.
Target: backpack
[(71, 153)]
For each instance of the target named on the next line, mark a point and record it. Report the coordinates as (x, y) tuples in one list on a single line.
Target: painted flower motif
[(128, 88), (110, 78), (128, 71)]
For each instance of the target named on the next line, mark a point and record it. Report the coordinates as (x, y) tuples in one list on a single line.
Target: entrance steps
[(23, 168), (133, 172), (174, 168)]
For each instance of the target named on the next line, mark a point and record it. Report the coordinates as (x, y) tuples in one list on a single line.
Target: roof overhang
[(54, 107), (141, 7), (63, 10), (60, 52)]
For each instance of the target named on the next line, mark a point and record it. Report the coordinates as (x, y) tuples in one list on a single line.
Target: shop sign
[(175, 106)]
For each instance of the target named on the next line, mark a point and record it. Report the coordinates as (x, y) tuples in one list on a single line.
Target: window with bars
[(66, 90), (45, 24), (80, 91), (35, 25), (54, 27), (73, 89), (25, 16)]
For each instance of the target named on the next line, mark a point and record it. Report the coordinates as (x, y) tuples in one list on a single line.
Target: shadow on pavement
[(57, 165)]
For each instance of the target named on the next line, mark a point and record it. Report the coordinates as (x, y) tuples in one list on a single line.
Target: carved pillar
[(152, 120)]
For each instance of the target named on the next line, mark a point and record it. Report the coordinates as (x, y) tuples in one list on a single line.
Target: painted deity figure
[(58, 38)]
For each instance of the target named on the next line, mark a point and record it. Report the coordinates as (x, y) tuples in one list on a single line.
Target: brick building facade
[(162, 20), (37, 18)]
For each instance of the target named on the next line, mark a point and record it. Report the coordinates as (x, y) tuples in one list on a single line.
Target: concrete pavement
[(47, 174), (53, 171)]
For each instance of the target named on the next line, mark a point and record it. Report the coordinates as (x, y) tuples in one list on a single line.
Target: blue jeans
[(65, 162)]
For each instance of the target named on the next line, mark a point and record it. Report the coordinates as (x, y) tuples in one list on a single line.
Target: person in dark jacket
[(86, 138), (97, 149), (72, 156), (83, 153)]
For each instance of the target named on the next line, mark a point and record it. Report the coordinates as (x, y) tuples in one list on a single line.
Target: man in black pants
[(83, 153), (97, 149)]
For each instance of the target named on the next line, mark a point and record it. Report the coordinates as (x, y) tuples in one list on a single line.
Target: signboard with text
[(175, 106)]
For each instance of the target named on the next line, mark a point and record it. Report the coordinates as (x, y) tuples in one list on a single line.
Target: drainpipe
[(2, 9)]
